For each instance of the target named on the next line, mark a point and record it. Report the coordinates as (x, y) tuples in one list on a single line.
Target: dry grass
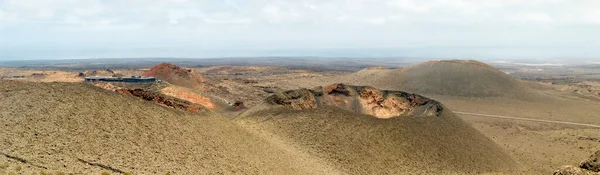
[(47, 122), (133, 135), (361, 144)]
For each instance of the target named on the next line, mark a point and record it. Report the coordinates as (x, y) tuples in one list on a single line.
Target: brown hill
[(326, 123), (176, 75), (82, 129), (466, 78)]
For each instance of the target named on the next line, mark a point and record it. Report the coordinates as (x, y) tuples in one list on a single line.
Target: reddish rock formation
[(187, 95), (336, 89), (162, 99), (295, 99), (176, 75), (360, 99)]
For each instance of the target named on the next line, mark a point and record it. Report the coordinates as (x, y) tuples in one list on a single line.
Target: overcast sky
[(503, 29)]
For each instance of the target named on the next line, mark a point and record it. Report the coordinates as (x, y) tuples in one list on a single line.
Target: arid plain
[(436, 117)]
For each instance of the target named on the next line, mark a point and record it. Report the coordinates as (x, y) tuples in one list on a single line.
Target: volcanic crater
[(359, 99)]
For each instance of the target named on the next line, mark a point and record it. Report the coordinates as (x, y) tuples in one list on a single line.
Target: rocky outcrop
[(161, 99), (238, 106), (590, 166), (295, 99), (190, 96), (359, 99), (573, 170), (176, 75), (592, 163)]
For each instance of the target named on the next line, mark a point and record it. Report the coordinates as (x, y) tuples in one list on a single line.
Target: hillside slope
[(82, 129), (176, 75), (466, 78), (363, 144)]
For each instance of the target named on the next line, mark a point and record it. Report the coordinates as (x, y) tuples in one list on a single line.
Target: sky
[(490, 29)]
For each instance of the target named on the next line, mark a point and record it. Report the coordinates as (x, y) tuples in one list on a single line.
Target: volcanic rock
[(590, 166), (161, 99), (359, 99), (176, 75)]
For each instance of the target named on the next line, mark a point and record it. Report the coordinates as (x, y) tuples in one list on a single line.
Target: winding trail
[(527, 119)]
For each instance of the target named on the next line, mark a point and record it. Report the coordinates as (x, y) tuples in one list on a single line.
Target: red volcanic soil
[(176, 75), (161, 99), (189, 96)]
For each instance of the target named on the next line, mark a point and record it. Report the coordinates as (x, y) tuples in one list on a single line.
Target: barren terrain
[(43, 131), (539, 146), (81, 121)]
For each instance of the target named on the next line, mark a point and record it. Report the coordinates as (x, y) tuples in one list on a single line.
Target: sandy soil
[(360, 144), (40, 75), (82, 129), (537, 147), (540, 147)]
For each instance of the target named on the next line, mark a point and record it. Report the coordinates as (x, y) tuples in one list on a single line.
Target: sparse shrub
[(18, 168), (127, 173), (105, 173), (44, 173), (3, 165)]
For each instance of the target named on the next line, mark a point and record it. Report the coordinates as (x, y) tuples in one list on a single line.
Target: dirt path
[(527, 119)]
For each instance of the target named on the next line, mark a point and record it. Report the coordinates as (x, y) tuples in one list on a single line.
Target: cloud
[(534, 17), (268, 24), (146, 12)]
